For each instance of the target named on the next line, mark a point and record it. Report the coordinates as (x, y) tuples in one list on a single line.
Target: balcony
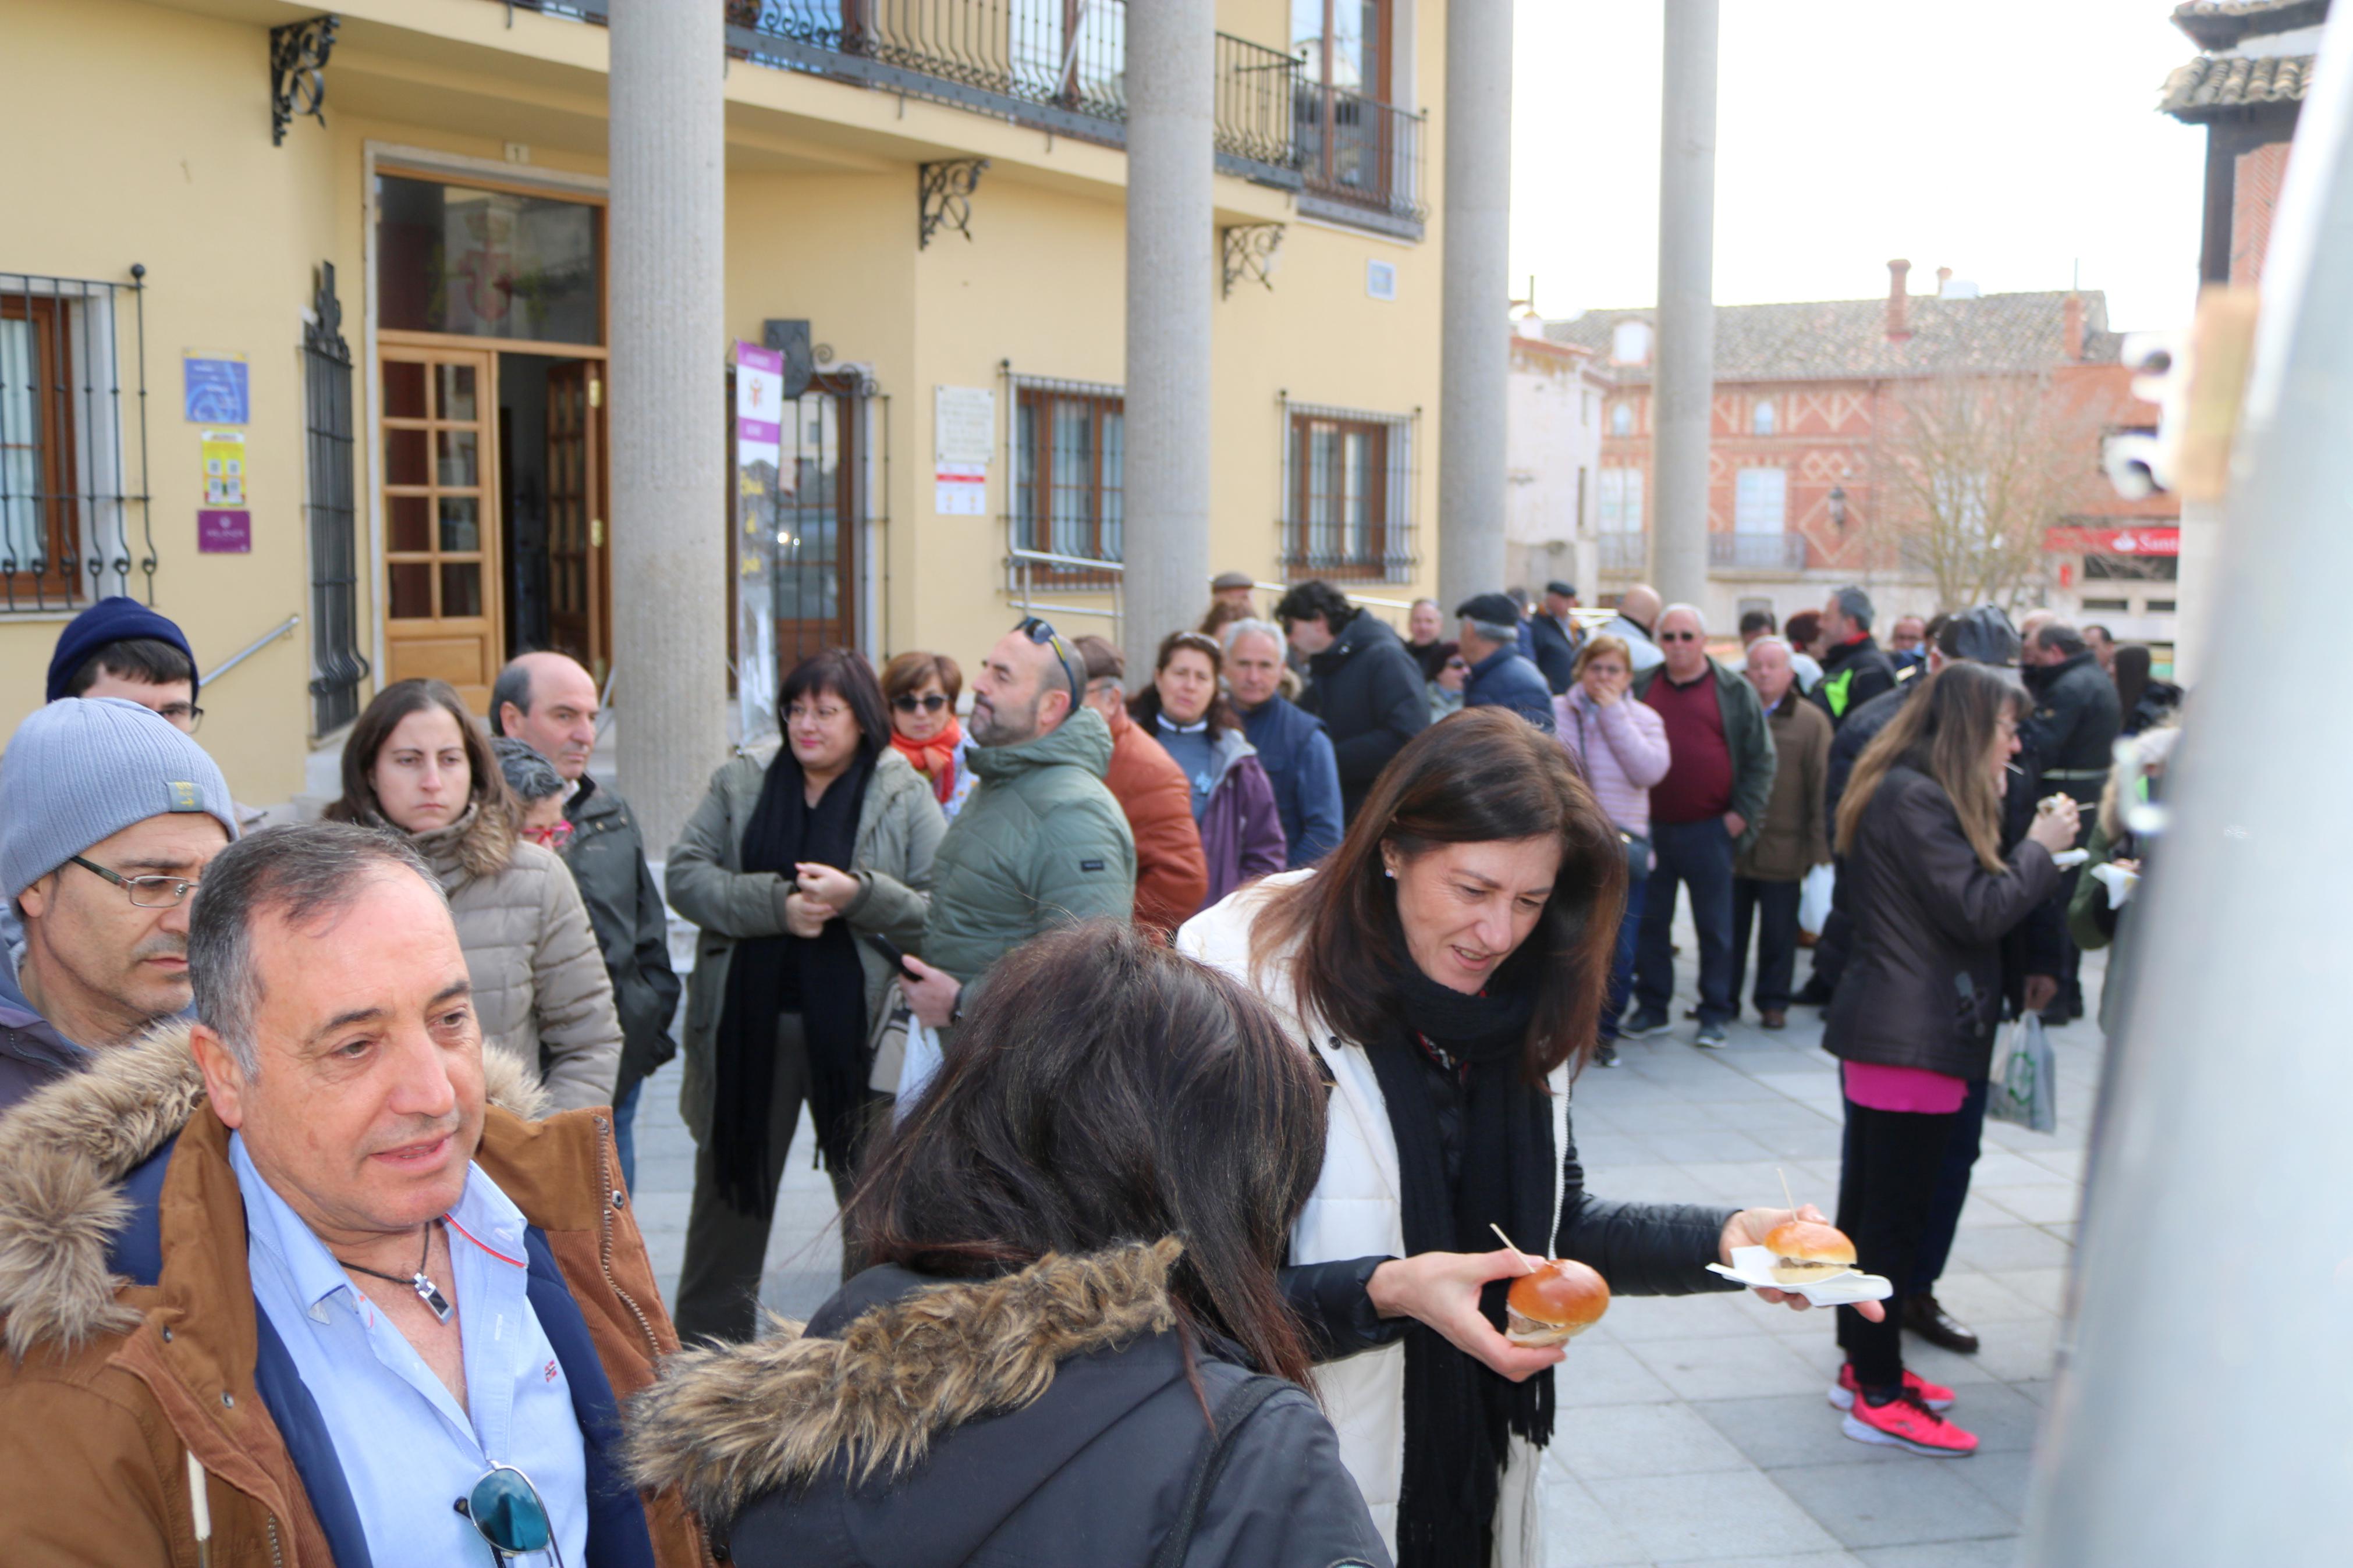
[(1625, 555), (1758, 552), (1059, 66)]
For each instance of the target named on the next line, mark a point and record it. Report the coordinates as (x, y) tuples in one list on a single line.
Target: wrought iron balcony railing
[(1758, 552), (1625, 553), (1359, 152)]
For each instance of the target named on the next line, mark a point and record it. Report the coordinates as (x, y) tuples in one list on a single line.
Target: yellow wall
[(175, 168)]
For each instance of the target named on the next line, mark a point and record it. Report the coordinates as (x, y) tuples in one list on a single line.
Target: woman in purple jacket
[(1233, 802), (1621, 744)]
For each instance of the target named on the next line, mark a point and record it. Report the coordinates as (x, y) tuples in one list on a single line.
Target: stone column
[(1683, 386), (1172, 268), (1474, 364), (668, 406)]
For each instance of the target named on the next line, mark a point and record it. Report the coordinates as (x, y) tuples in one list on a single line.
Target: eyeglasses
[(505, 1510), (1458, 662), (908, 702), (553, 835), (1678, 636), (147, 892), (186, 715), (1043, 633)]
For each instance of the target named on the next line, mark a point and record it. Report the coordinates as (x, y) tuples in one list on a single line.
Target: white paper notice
[(961, 489), (964, 427)]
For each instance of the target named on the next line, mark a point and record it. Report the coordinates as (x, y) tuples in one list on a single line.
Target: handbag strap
[(1235, 1408)]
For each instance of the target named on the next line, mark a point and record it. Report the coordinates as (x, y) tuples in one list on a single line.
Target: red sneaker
[(1905, 1422), (1934, 1395)]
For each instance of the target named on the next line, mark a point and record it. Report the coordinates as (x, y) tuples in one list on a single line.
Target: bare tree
[(1974, 474)]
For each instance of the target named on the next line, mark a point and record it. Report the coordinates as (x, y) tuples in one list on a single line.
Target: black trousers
[(727, 1249), (1887, 1183), (1772, 908)]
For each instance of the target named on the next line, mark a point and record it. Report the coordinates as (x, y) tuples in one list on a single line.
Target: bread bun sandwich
[(1553, 1305), (1805, 1252)]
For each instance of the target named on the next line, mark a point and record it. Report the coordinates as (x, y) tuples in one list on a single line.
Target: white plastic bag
[(923, 1060), (2025, 1086), (1814, 899)]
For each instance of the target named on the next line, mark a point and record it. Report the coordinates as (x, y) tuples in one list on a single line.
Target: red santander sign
[(2112, 540)]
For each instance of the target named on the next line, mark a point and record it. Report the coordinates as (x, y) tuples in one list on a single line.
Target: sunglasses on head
[(1678, 636), (1043, 633), (505, 1510), (908, 702)]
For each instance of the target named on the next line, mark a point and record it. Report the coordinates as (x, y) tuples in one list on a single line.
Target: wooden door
[(579, 577), (442, 607)]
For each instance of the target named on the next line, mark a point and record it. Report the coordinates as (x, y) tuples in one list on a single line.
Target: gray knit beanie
[(85, 768)]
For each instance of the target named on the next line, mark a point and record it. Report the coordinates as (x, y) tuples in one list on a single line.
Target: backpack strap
[(1235, 1408)]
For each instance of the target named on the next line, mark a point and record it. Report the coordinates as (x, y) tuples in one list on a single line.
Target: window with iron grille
[(330, 509), (1621, 500), (65, 523), (1348, 493), (1069, 460)]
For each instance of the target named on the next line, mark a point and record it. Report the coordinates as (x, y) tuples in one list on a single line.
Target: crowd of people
[(1255, 986)]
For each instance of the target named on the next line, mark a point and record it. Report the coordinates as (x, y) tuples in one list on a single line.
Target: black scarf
[(1459, 1416), (823, 970)]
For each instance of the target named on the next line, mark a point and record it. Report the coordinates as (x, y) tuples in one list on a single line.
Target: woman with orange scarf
[(922, 688)]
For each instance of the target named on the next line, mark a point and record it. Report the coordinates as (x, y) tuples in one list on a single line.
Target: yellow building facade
[(190, 434)]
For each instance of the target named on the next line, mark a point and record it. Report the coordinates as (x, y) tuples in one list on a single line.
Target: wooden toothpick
[(1785, 1191), (1527, 1265)]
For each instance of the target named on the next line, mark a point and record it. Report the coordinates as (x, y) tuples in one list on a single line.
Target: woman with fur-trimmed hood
[(417, 765), (1072, 1348)]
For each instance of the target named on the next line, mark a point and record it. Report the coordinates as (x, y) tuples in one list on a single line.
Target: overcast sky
[(2010, 140)]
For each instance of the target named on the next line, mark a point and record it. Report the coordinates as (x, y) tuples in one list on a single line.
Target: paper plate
[(1752, 1266)]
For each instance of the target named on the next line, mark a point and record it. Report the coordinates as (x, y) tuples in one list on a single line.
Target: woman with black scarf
[(793, 852), (1446, 965)]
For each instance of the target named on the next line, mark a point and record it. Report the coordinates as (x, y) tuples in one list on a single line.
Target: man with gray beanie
[(108, 816)]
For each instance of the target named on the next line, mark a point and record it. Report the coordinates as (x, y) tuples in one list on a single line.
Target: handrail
[(212, 676)]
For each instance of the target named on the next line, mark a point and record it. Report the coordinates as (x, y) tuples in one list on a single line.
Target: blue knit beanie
[(112, 619), (84, 769)]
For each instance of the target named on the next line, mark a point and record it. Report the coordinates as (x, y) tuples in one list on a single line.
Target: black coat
[(1369, 693), (607, 857), (934, 1377), (1923, 986), (1852, 674), (2074, 729), (1555, 653)]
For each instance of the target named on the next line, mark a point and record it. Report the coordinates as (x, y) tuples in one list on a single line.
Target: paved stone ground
[(1697, 1430)]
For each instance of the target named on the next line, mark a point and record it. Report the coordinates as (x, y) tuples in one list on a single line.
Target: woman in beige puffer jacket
[(417, 765)]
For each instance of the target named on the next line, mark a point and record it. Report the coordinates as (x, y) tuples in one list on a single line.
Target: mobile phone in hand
[(889, 949)]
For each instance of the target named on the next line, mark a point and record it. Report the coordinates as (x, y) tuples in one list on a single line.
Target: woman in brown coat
[(417, 765)]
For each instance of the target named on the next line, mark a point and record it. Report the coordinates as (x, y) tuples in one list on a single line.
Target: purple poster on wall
[(223, 532)]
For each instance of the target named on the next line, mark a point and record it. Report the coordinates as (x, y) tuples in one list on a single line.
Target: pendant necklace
[(422, 1283)]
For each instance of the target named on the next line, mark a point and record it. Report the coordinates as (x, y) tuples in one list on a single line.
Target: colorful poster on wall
[(224, 467), (215, 388), (759, 405), (223, 532), (961, 489), (759, 449)]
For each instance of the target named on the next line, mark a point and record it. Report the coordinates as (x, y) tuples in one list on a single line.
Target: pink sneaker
[(1904, 1422), (1935, 1396)]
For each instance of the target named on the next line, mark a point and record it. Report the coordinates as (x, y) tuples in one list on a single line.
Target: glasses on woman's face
[(505, 1510), (550, 834), (908, 702)]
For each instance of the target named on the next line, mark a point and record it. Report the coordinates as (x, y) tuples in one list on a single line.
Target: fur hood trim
[(728, 1423), (64, 1154), (480, 844)]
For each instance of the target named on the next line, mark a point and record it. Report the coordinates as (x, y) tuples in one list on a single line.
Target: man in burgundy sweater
[(1702, 814)]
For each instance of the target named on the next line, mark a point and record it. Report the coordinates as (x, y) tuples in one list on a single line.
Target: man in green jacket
[(1042, 840), (1704, 813)]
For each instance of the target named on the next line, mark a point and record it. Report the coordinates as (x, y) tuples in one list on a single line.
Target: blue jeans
[(625, 1140), (1622, 966), (1696, 856)]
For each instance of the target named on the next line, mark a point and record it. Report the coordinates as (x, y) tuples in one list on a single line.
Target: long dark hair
[(840, 672), (1477, 776), (1106, 1089), (2132, 677), (1946, 732), (485, 790), (1145, 706)]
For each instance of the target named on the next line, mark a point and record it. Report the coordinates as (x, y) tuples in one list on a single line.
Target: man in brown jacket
[(223, 1347), (1792, 839), (1172, 876)]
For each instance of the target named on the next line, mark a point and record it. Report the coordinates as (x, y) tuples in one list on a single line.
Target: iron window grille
[(331, 512), (1068, 462), (67, 531), (1349, 493)]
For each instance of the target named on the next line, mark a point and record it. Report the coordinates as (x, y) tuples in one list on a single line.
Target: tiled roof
[(2220, 24), (2213, 85), (1845, 339)]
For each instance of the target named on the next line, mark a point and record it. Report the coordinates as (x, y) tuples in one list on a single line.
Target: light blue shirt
[(408, 1450)]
